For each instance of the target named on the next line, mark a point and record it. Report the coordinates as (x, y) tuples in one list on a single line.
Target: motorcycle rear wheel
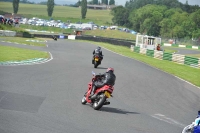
[(100, 102)]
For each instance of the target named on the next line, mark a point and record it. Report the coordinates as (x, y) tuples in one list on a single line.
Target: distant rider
[(98, 52), (107, 78)]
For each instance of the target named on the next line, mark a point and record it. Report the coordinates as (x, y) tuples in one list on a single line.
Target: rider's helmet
[(99, 48), (110, 69), (199, 113)]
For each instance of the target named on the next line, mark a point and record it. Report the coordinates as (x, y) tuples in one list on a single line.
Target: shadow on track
[(115, 110), (101, 68)]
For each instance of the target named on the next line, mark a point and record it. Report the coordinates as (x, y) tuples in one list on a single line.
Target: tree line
[(165, 18)]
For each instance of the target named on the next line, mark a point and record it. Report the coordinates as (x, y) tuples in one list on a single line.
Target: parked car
[(87, 28)]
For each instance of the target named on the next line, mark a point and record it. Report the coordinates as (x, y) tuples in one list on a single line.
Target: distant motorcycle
[(97, 60), (101, 94), (54, 38)]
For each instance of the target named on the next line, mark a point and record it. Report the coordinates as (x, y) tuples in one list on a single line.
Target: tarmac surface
[(46, 98)]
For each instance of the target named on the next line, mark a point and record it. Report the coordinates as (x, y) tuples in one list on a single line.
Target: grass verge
[(8, 53), (187, 73), (27, 41)]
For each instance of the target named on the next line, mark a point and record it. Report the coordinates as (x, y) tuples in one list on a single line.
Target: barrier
[(72, 37), (150, 53), (191, 61), (158, 54), (7, 33), (167, 56), (180, 59), (143, 50)]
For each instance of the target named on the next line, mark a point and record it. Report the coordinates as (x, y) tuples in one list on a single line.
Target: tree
[(50, 6), (15, 5), (95, 2), (105, 2), (112, 2), (83, 8), (78, 4), (120, 16)]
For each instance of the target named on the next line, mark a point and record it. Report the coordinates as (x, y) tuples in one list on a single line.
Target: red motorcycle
[(101, 94)]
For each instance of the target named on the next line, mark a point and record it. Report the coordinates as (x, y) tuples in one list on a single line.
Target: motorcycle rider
[(107, 78), (195, 126), (97, 51)]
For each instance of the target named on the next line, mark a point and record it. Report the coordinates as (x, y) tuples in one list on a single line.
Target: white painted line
[(168, 120)]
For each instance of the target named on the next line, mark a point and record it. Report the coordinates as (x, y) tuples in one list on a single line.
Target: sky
[(118, 2)]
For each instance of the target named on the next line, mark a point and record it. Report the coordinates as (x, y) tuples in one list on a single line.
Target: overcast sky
[(118, 2), (190, 2)]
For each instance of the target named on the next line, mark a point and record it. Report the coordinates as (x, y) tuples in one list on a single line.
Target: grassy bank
[(63, 13), (8, 53), (185, 72)]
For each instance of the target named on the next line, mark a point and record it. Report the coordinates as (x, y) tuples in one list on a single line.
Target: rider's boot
[(106, 102)]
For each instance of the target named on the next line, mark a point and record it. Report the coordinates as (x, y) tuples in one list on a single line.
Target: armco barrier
[(47, 36), (113, 41)]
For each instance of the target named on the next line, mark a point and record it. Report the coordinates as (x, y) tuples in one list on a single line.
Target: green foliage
[(147, 19), (120, 15), (112, 2), (18, 54), (83, 9), (105, 2), (15, 6), (50, 6), (95, 2)]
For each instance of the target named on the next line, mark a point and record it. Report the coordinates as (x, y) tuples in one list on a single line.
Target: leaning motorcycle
[(102, 94), (97, 60), (188, 128)]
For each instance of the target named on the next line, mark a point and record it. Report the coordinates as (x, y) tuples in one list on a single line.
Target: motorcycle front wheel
[(99, 102), (83, 101)]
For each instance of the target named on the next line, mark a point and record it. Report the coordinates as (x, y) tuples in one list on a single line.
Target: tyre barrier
[(177, 58)]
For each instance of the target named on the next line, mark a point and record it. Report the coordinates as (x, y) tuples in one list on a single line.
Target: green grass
[(27, 41), (8, 53), (167, 50), (111, 34), (185, 72), (63, 13)]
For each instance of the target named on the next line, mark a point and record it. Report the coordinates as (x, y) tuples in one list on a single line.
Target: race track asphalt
[(46, 98)]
